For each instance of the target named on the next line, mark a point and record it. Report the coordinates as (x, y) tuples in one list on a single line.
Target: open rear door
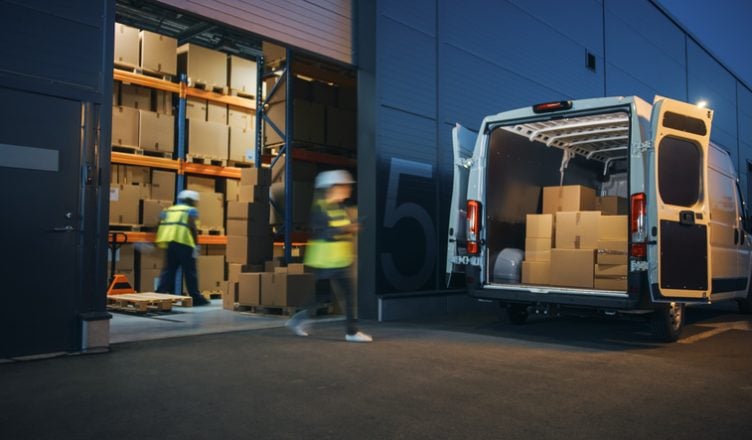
[(463, 141), (681, 134)]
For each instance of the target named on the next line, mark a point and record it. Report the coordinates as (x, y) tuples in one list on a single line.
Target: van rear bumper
[(551, 295)]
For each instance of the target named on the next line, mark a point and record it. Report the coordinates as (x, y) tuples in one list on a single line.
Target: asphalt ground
[(455, 377)]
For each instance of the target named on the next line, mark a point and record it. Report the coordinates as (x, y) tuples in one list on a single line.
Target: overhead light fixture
[(702, 103)]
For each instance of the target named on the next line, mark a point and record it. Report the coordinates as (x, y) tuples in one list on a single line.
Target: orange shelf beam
[(211, 170), (236, 101), (144, 161), (148, 237), (147, 81)]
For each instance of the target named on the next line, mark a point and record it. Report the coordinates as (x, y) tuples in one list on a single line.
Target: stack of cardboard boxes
[(563, 245), (211, 205), (137, 192)]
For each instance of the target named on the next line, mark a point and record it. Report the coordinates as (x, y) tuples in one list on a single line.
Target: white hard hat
[(327, 179), (188, 194)]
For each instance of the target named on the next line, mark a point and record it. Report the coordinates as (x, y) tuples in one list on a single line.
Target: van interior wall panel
[(640, 54), (485, 29), (323, 27)]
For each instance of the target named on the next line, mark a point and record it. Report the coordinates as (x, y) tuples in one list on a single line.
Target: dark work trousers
[(179, 256), (343, 289)]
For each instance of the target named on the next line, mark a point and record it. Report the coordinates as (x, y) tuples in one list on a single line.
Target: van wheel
[(668, 322), (517, 313), (745, 305)]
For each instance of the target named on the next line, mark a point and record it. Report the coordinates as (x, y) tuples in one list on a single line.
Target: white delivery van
[(678, 228)]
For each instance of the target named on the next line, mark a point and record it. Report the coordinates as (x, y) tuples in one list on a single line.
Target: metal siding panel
[(562, 15), (325, 29), (41, 45), (647, 21), (641, 57), (87, 12), (407, 71), (620, 83), (418, 14), (406, 136), (509, 37), (709, 81)]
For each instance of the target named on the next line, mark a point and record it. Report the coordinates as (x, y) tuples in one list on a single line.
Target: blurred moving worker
[(330, 250), (178, 234)]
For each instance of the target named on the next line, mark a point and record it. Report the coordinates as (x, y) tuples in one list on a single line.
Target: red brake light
[(638, 225), (473, 226), (552, 106)]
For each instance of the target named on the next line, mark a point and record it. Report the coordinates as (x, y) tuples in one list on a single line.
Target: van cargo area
[(557, 214)]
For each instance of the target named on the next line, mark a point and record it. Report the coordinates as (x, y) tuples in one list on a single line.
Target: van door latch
[(687, 217)]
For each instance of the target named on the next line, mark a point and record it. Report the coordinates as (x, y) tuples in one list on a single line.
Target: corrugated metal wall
[(440, 62), (320, 26)]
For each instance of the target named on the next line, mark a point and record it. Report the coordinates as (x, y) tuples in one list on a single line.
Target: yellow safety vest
[(335, 254), (174, 227)]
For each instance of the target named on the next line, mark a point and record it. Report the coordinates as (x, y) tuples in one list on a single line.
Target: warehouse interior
[(202, 106)]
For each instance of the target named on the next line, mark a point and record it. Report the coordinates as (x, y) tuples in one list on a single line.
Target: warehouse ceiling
[(186, 28)]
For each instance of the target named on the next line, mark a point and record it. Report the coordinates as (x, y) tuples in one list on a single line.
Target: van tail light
[(638, 226), (473, 226)]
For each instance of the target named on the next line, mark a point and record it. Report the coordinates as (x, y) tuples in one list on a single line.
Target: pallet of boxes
[(579, 241), (254, 279)]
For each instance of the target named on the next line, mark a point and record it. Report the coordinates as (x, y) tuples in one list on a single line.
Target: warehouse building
[(100, 129)]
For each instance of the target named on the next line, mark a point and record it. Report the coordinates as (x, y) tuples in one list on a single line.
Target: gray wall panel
[(407, 136), (621, 83), (745, 115), (648, 22), (323, 27), (709, 81), (407, 70), (644, 59), (418, 14)]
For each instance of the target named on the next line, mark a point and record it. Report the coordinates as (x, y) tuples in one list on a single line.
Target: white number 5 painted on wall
[(408, 210)]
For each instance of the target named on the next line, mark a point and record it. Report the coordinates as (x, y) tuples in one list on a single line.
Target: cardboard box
[(125, 126), (135, 97), (249, 249), (242, 145), (151, 211), (115, 93), (271, 266), (149, 280), (211, 273), (129, 175), (577, 230), (234, 270), (156, 131), (536, 272), (253, 194), (302, 199), (568, 198), (323, 93), (240, 118), (619, 284), (286, 289), (196, 109), (613, 227), (610, 270), (256, 213), (309, 121), (249, 289), (208, 139), (255, 176), (230, 296), (200, 184), (126, 45), (163, 102), (612, 205), (572, 267), (539, 226), (124, 258), (152, 260), (124, 201), (163, 185), (211, 210), (538, 249), (216, 113), (158, 53), (202, 66), (612, 252), (340, 127), (243, 75)]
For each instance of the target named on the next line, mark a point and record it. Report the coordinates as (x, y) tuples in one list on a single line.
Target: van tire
[(667, 322), (517, 313)]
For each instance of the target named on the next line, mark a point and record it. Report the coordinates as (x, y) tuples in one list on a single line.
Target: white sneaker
[(358, 337), (299, 328)]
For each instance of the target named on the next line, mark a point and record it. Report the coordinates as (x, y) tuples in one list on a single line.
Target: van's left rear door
[(463, 144), (681, 134)]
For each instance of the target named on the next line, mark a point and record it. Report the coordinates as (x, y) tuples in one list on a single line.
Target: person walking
[(177, 233), (330, 250)]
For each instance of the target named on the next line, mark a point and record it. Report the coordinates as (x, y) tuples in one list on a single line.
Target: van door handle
[(68, 228), (687, 217)]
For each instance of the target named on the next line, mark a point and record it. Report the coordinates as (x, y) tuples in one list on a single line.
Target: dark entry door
[(40, 144)]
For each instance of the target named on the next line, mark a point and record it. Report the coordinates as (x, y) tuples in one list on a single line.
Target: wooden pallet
[(138, 303), (211, 230), (241, 94), (138, 151), (125, 227), (205, 160), (239, 164), (212, 294), (177, 300), (141, 71), (222, 90)]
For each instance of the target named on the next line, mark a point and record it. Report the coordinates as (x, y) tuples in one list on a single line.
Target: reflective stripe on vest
[(334, 254), (175, 227)]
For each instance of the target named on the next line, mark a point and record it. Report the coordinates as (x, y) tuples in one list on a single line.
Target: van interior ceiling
[(523, 158)]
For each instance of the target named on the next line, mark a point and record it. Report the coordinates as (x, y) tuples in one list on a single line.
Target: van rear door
[(463, 141), (681, 133)]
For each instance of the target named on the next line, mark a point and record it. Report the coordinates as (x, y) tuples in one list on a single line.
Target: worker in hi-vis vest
[(177, 233), (330, 250)]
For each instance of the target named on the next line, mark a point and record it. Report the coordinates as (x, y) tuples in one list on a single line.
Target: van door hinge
[(644, 147), (464, 163), (638, 266)]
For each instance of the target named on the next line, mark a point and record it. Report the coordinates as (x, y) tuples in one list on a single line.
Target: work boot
[(201, 301)]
